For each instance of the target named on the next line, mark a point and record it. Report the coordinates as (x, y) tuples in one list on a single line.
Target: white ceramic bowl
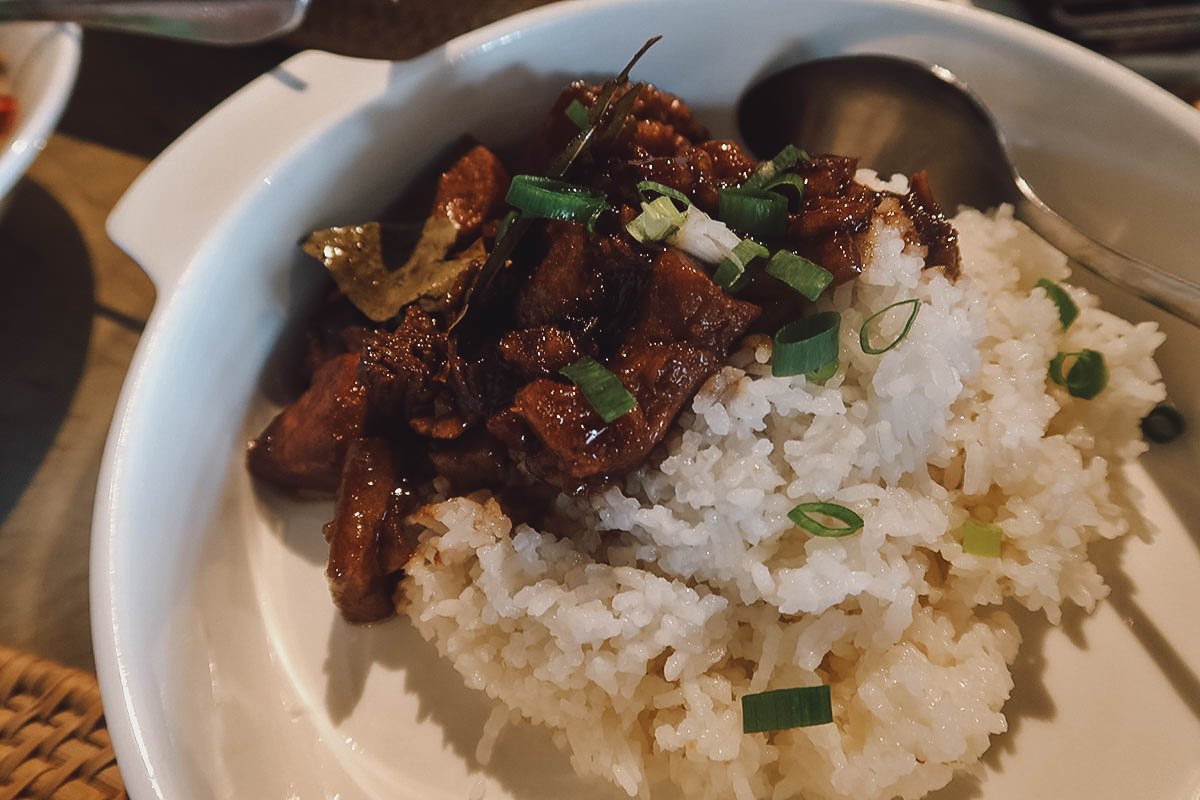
[(43, 60), (224, 668)]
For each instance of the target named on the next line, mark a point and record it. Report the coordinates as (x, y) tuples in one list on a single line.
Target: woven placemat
[(53, 743)]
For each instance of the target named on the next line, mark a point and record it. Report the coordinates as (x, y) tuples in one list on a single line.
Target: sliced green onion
[(578, 114), (731, 273), (806, 345), (753, 213), (548, 198), (1067, 310), (824, 373), (804, 276), (781, 709), (658, 220), (768, 171), (1087, 376), (602, 389), (787, 179), (981, 539), (644, 187), (864, 332), (802, 516)]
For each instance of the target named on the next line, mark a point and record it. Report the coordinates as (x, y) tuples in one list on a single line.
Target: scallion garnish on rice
[(753, 213), (1067, 310), (549, 198), (602, 389), (577, 114), (806, 277), (806, 345), (781, 709), (864, 333), (981, 538), (823, 373), (802, 515), (1087, 376)]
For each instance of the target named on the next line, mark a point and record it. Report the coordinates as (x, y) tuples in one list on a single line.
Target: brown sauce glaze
[(394, 405)]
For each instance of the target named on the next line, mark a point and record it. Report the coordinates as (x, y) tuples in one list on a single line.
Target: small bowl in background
[(42, 61)]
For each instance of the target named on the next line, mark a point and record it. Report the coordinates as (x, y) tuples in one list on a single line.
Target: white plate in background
[(42, 60)]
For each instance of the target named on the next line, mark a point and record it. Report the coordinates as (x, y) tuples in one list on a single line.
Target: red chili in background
[(8, 113)]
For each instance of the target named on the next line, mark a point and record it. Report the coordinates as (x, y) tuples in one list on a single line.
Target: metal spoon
[(225, 22), (899, 115)]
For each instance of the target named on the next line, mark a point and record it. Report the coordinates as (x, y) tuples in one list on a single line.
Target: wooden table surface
[(71, 322)]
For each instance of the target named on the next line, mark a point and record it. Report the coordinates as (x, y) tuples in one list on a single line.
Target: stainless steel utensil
[(226, 22), (900, 115)]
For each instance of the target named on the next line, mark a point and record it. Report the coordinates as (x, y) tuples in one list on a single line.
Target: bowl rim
[(112, 659)]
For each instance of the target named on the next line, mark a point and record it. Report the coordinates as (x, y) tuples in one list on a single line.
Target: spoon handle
[(224, 22), (1175, 295)]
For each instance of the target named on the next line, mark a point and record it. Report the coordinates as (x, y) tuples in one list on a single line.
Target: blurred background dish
[(41, 61)]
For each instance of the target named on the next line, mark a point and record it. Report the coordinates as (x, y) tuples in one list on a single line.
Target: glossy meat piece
[(539, 352), (827, 175), (326, 335), (563, 282), (686, 328), (398, 367), (397, 539), (303, 448), (481, 383), (824, 215), (835, 213), (682, 304), (674, 118), (475, 461), (472, 192), (840, 252), (358, 579), (581, 444), (934, 230)]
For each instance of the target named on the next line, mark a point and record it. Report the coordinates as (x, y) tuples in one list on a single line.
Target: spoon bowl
[(902, 116)]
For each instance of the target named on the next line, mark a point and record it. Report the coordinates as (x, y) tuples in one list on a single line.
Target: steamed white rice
[(635, 636)]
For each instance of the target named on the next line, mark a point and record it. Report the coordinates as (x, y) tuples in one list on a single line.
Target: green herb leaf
[(864, 339), (802, 515), (781, 709), (1087, 376), (356, 258), (981, 539), (806, 345), (806, 277), (1067, 310), (602, 389)]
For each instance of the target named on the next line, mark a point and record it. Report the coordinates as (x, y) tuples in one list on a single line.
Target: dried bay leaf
[(358, 258)]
